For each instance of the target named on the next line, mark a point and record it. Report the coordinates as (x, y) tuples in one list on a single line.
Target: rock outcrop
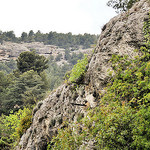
[(9, 50), (121, 36)]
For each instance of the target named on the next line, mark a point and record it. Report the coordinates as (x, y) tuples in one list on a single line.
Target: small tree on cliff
[(31, 61), (121, 5)]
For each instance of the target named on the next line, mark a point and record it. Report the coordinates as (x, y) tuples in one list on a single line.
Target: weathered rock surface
[(120, 36), (9, 50), (50, 114)]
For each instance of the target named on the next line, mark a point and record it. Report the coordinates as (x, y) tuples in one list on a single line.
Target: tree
[(31, 36), (121, 5), (5, 81), (24, 36), (31, 87), (67, 54), (39, 37), (31, 33), (31, 61)]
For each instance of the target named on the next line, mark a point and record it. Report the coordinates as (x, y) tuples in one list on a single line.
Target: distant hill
[(52, 38)]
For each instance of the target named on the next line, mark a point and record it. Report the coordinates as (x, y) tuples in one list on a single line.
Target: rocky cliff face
[(121, 36)]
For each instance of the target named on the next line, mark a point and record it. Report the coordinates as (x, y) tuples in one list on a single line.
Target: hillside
[(120, 36), (104, 101)]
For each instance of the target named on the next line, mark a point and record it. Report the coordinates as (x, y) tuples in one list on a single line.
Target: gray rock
[(9, 50), (122, 35)]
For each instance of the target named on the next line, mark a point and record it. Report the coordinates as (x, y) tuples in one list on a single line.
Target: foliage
[(119, 127), (55, 73), (29, 87), (75, 57), (5, 81), (67, 139), (26, 86), (72, 59), (21, 88), (111, 126), (131, 83), (78, 70), (121, 5), (117, 123), (8, 67), (31, 61), (13, 126), (122, 119), (53, 38), (7, 36)]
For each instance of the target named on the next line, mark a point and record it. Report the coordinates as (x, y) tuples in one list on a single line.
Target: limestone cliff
[(121, 35)]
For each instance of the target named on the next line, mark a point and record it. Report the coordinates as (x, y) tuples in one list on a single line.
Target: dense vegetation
[(8, 67), (53, 38), (31, 61), (122, 119), (28, 80), (25, 85), (13, 126)]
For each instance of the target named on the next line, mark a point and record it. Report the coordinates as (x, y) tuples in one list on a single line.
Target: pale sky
[(62, 16)]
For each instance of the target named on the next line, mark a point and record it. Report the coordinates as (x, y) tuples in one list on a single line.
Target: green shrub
[(79, 70), (25, 123), (13, 126), (119, 127), (131, 82), (110, 127), (67, 139)]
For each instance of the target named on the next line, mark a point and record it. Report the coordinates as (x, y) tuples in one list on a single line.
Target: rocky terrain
[(121, 35), (9, 50)]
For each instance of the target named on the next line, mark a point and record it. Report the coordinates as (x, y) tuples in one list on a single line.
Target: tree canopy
[(31, 61), (53, 38)]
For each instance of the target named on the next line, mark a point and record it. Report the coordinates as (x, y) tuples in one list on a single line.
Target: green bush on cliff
[(66, 140), (131, 83), (78, 70), (119, 127)]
